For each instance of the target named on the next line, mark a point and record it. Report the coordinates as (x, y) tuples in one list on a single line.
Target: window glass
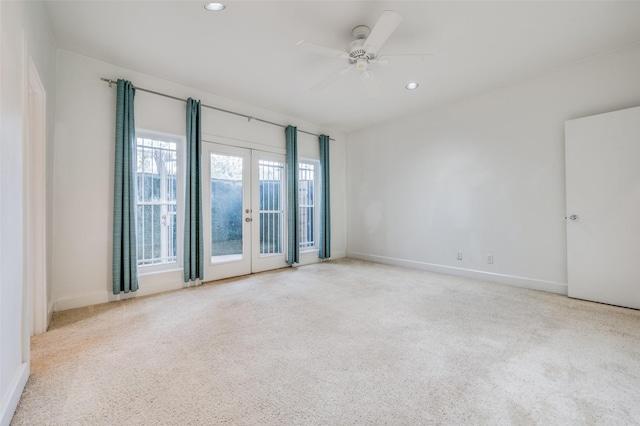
[(307, 204), (156, 201)]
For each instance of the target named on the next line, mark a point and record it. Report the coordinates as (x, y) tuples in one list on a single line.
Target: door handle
[(248, 219), (573, 217)]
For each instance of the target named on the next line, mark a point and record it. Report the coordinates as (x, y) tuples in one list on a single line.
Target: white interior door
[(603, 207), (243, 211)]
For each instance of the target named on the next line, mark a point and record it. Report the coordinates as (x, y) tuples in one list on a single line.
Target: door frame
[(255, 152), (36, 201)]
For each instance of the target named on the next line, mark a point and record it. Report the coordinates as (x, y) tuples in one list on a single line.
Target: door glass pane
[(226, 207), (271, 206)]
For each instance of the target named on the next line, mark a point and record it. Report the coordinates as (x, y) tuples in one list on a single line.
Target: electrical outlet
[(459, 255), (489, 258)]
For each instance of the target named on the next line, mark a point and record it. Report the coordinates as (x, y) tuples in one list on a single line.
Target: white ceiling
[(248, 52)]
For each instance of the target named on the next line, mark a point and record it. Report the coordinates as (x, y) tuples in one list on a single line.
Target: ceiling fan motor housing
[(356, 51), (360, 32)]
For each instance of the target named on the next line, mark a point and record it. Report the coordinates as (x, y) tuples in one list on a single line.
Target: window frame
[(316, 208), (180, 142)]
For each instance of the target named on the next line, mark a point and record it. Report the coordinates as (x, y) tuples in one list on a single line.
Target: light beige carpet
[(342, 342)]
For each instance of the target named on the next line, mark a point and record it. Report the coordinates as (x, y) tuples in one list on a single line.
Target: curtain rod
[(248, 117)]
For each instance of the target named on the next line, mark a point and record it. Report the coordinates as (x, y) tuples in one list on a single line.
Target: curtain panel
[(325, 199), (193, 265), (125, 259), (293, 236)]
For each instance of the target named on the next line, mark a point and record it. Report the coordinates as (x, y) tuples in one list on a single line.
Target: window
[(156, 199), (307, 189)]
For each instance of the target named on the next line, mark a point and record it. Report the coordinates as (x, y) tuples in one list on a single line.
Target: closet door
[(603, 207)]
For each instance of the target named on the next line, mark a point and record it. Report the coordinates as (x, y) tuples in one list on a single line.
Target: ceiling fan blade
[(388, 22), (332, 78), (400, 59), (369, 81), (322, 50)]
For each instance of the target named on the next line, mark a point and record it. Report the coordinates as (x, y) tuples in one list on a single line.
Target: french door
[(243, 211)]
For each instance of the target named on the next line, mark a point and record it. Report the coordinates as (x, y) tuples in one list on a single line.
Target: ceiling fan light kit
[(361, 64), (363, 51)]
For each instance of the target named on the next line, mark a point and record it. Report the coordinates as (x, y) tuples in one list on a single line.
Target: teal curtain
[(193, 233), (325, 199), (125, 259), (293, 237)]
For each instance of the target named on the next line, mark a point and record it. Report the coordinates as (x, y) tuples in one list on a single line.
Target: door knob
[(248, 219), (573, 217)]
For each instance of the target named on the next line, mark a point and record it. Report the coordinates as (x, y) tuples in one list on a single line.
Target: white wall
[(484, 175), (24, 33), (83, 168)]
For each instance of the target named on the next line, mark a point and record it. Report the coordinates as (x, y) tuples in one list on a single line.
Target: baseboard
[(338, 255), (148, 284), (12, 396), (311, 258), (533, 284), (49, 313)]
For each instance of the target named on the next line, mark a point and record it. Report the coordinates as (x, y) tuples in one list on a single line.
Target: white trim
[(9, 404), (533, 284), (35, 199), (311, 257), (149, 284), (337, 255), (154, 284), (50, 312), (308, 257)]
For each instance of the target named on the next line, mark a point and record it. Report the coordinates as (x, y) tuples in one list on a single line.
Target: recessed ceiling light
[(214, 6), (412, 85)]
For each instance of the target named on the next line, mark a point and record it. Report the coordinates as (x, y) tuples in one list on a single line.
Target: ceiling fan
[(363, 51)]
